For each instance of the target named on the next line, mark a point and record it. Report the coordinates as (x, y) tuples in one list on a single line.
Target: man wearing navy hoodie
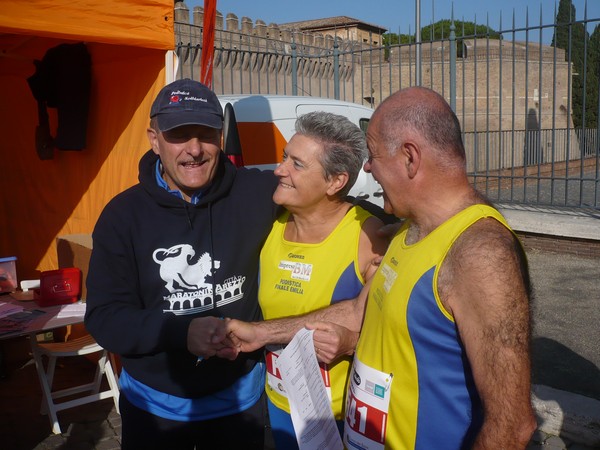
[(171, 256)]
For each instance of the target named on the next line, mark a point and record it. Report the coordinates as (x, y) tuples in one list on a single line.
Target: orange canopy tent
[(42, 199)]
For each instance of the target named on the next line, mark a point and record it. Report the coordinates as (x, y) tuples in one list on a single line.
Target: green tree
[(441, 30), (390, 39), (593, 79), (395, 39), (571, 37), (564, 16)]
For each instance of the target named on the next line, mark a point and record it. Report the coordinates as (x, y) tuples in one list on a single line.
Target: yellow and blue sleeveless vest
[(411, 386), (297, 278)]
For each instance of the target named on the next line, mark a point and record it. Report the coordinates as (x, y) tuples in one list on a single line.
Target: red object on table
[(58, 287)]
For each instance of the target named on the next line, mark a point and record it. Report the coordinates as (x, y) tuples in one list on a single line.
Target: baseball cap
[(186, 102)]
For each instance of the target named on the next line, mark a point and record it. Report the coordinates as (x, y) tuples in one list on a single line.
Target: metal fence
[(529, 109)]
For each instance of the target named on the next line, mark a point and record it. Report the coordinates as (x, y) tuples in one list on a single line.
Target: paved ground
[(22, 427), (566, 357), (566, 330)]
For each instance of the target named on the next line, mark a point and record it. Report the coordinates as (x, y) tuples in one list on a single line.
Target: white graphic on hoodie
[(178, 273), (186, 280)]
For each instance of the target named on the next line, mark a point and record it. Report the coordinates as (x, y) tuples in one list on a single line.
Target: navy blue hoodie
[(158, 262)]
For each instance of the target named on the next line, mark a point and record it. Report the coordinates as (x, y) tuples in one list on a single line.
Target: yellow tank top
[(297, 278), (410, 388)]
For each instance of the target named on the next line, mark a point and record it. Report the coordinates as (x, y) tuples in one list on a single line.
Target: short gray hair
[(344, 144)]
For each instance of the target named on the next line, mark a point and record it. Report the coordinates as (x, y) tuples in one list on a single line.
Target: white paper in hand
[(310, 407)]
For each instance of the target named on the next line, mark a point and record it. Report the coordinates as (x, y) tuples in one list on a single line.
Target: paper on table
[(6, 309), (72, 310), (17, 322), (310, 407)]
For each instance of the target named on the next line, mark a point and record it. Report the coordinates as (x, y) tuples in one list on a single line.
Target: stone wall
[(253, 57), (500, 85)]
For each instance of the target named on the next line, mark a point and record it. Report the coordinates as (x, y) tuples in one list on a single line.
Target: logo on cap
[(186, 102)]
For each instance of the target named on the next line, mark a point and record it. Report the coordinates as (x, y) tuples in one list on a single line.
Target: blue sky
[(399, 15)]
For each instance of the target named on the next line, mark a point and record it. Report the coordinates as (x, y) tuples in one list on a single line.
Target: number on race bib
[(271, 362), (365, 420)]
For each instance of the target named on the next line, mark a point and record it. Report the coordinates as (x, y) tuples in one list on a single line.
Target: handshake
[(211, 336), (226, 338)]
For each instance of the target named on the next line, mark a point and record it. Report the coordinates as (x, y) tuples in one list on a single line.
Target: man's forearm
[(251, 336)]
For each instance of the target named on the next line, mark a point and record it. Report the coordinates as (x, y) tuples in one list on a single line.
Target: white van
[(261, 125)]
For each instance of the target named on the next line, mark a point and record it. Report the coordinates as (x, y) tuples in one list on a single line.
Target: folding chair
[(80, 346)]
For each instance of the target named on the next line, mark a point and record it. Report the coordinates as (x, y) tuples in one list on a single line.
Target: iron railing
[(529, 108)]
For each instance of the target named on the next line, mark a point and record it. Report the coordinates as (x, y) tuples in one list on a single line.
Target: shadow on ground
[(557, 366), (22, 427)]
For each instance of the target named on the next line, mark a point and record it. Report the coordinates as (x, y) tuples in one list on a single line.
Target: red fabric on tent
[(208, 42)]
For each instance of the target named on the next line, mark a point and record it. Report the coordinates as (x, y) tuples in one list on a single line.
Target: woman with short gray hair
[(321, 250)]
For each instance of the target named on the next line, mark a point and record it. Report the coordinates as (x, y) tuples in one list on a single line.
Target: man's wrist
[(262, 332)]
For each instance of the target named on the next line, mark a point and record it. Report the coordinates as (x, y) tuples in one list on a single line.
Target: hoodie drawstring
[(212, 254)]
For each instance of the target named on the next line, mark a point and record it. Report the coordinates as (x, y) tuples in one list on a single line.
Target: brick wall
[(500, 85)]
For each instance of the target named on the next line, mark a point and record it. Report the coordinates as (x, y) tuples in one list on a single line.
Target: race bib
[(367, 406), (273, 374)]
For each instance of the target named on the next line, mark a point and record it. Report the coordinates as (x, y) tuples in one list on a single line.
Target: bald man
[(443, 360)]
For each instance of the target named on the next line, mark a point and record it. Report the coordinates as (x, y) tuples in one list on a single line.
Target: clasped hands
[(226, 338)]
